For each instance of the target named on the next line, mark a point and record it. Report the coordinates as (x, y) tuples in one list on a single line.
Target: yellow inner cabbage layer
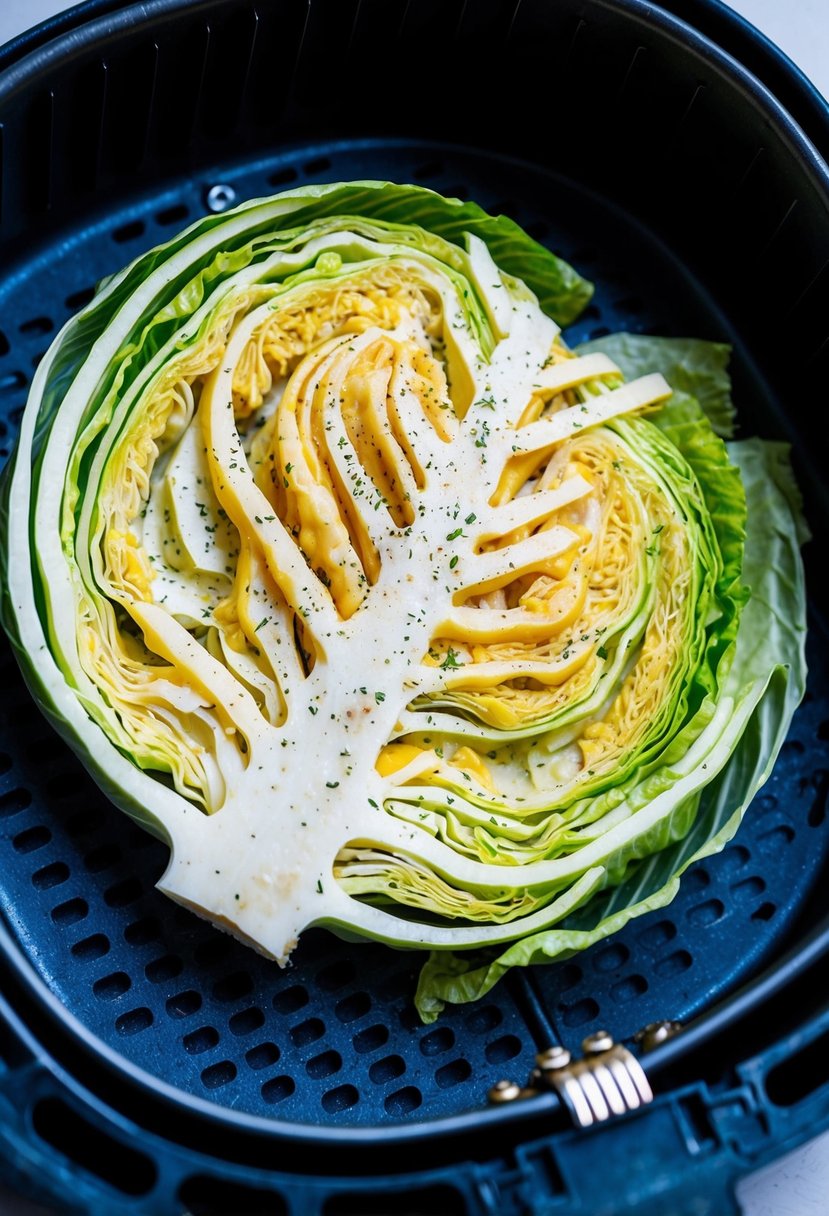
[(292, 374), (163, 719)]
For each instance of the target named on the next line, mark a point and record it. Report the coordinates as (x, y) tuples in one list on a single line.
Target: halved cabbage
[(385, 609)]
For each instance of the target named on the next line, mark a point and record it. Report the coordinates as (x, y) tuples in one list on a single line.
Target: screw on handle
[(219, 197)]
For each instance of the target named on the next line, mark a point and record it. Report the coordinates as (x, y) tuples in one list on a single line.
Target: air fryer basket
[(200, 1076)]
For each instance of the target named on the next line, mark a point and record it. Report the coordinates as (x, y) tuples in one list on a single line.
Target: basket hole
[(31, 839), (580, 1013), (129, 232), (102, 858), (50, 876), (387, 1069), (110, 987), (318, 165), (403, 1101), (219, 1074), (122, 893), (278, 1089), (505, 1048), (733, 859), (482, 1020), (629, 988), (79, 298), (453, 1073), (307, 1032), (765, 912), (4, 344), (776, 838), (283, 176), (674, 964), (85, 1145), (37, 325), (324, 1065), (410, 1018), (610, 958), (142, 931), (654, 937), (198, 1041), (817, 811), (570, 975), (13, 802), (172, 215), (707, 913), (339, 1099), (203, 1195), (246, 1021), (134, 1022), (70, 912), (763, 805), (233, 987), (291, 999), (90, 948), (749, 888), (336, 976), (437, 1041), (184, 1004), (371, 1039), (262, 1056), (353, 1007), (165, 968)]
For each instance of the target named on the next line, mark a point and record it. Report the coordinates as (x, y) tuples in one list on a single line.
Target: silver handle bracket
[(607, 1081)]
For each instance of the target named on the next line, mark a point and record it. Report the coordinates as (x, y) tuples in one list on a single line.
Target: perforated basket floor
[(334, 1039)]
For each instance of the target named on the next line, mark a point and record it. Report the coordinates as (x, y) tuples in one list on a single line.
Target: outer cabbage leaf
[(769, 667)]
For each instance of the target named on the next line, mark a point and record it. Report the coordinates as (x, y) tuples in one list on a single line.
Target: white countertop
[(798, 1184)]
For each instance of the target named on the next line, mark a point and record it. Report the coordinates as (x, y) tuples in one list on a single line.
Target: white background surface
[(797, 1185)]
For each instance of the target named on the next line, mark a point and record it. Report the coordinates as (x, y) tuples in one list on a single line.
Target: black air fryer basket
[(149, 1064)]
